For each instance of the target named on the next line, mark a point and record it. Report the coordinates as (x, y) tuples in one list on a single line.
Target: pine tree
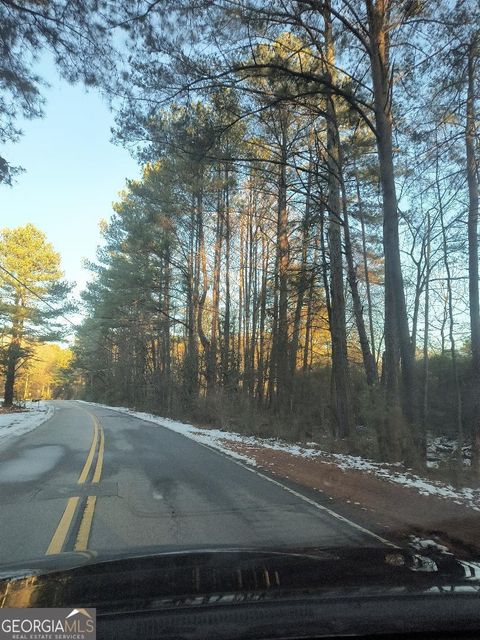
[(33, 297)]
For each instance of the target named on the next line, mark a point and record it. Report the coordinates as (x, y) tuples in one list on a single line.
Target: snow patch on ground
[(465, 495), (17, 423), (31, 464), (218, 439), (441, 449)]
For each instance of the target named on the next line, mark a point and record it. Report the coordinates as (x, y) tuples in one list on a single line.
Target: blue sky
[(73, 172)]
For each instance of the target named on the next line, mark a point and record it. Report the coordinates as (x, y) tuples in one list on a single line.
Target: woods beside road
[(300, 256)]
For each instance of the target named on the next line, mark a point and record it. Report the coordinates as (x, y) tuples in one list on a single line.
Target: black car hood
[(201, 576)]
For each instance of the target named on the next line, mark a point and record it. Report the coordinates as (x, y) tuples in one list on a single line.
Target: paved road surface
[(92, 478)]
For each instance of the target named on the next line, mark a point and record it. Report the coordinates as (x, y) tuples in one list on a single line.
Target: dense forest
[(300, 255)]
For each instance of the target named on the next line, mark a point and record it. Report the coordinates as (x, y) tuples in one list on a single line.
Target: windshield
[(239, 280)]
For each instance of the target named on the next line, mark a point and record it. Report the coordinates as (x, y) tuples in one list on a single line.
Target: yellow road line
[(81, 543), (58, 539), (88, 462), (99, 465), (61, 532)]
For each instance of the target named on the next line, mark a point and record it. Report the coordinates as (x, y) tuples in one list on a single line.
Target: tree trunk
[(254, 283), (283, 265), (341, 378), (167, 347), (212, 365), (261, 329), (279, 351), (397, 334), (241, 292), (309, 318), (303, 278), (472, 230), (226, 323), (202, 295), (367, 275), (426, 359), (451, 332), (191, 356), (367, 356), (13, 354)]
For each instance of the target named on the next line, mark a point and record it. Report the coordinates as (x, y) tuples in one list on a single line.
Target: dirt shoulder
[(393, 511)]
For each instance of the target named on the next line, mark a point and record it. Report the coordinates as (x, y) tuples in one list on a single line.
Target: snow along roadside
[(17, 423), (465, 496), (210, 437)]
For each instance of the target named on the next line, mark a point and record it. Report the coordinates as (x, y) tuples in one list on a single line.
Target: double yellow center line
[(57, 542)]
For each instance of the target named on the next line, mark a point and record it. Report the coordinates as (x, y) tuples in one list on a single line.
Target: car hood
[(189, 577)]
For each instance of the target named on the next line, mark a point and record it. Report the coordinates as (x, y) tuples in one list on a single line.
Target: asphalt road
[(94, 479)]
